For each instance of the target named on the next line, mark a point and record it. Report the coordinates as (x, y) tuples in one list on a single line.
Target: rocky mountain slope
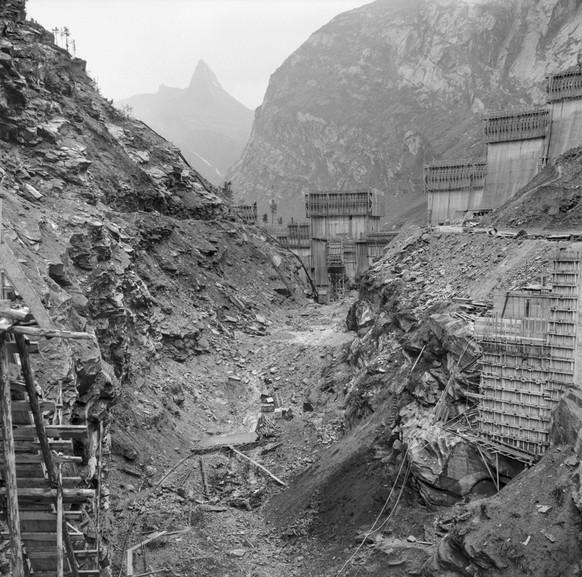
[(123, 239), (203, 120), (382, 89)]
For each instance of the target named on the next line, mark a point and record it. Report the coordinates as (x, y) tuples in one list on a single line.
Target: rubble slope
[(122, 239), (407, 384)]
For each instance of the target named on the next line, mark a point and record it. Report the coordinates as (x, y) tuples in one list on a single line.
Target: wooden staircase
[(48, 511), (42, 497)]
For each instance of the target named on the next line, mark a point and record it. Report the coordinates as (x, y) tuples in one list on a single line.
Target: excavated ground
[(234, 530), (338, 455)]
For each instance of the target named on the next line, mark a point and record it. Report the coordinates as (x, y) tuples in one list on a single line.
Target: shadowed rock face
[(384, 88), (12, 10)]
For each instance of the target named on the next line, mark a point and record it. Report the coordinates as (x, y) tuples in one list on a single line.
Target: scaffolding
[(45, 502), (381, 238), (369, 202), (517, 124), (527, 363), (247, 213), (564, 85), (298, 235), (454, 175)]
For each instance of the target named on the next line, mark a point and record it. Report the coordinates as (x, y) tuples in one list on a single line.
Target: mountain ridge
[(208, 124), (381, 90)]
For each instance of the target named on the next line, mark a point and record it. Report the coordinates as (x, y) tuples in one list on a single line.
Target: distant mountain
[(384, 88), (204, 121)]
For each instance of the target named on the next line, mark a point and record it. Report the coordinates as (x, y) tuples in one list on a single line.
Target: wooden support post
[(204, 477), (60, 529), (497, 470), (17, 561), (99, 475), (144, 560), (35, 408), (42, 437), (130, 551)]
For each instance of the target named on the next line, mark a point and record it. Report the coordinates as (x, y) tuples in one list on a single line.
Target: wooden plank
[(276, 479), (69, 495), (16, 314), (47, 333), (49, 460), (45, 405), (28, 432), (48, 516), (81, 573), (29, 458), (60, 446), (44, 536), (28, 483), (11, 491), (60, 520), (130, 551), (18, 280), (52, 552)]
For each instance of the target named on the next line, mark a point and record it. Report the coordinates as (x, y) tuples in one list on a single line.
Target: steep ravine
[(194, 313), (120, 238)]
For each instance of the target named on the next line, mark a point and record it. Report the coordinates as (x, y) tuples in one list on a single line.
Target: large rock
[(567, 421), (446, 466)]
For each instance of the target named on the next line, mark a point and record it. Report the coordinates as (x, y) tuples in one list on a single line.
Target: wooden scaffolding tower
[(41, 497)]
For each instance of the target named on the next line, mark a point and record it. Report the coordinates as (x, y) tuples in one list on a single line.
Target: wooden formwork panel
[(566, 266), (566, 290), (517, 440), (561, 353), (568, 315), (568, 277), (515, 427), (564, 301), (563, 326), (525, 409)]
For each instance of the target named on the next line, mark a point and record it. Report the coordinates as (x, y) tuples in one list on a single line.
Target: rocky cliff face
[(208, 124), (121, 238), (382, 89)]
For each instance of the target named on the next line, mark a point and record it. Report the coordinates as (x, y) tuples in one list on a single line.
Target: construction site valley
[(377, 479), (176, 402)]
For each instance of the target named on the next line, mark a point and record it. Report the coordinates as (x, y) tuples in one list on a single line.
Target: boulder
[(566, 424), (445, 466)]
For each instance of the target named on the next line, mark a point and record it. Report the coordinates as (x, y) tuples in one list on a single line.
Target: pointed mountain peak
[(203, 76)]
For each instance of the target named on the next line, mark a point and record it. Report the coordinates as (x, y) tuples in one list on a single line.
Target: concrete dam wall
[(510, 165)]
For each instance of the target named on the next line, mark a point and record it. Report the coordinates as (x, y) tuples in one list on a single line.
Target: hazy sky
[(133, 46)]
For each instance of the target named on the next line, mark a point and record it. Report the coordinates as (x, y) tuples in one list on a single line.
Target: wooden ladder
[(47, 504), (41, 505)]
